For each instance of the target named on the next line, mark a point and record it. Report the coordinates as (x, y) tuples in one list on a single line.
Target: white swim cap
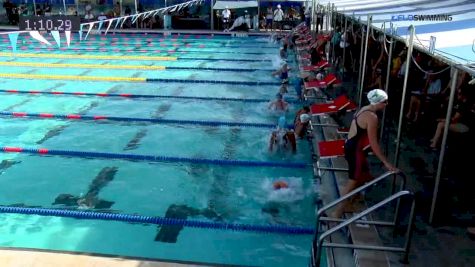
[(377, 96), (278, 6), (319, 77), (304, 118)]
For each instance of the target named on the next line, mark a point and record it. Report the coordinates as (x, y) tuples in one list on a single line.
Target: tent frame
[(470, 69)]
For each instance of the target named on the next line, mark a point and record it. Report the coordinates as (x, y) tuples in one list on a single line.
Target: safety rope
[(249, 100), (424, 71), (130, 119), (129, 218), (152, 158)]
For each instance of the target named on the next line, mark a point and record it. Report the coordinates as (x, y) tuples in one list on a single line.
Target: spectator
[(459, 121), (102, 16), (226, 14), (431, 91), (278, 17), (269, 17)]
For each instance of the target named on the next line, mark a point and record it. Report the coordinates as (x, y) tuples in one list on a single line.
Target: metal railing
[(318, 240)]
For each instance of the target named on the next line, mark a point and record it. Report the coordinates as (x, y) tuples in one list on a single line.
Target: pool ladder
[(318, 242)]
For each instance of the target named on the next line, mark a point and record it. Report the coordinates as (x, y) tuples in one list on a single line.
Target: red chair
[(328, 80), (332, 149), (319, 66), (338, 104)]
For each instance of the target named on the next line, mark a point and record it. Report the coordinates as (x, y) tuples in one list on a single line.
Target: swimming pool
[(234, 84)]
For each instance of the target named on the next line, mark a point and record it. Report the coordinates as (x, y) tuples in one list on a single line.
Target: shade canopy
[(454, 28), (222, 4)]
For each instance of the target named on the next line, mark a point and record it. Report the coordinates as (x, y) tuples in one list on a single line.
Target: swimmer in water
[(277, 185), (282, 138), (279, 104)]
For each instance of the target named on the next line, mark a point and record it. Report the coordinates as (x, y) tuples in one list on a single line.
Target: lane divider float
[(125, 79), (153, 158), (125, 95), (129, 218), (130, 119)]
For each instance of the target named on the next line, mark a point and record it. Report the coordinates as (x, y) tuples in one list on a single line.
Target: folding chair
[(332, 149), (341, 103), (317, 67), (328, 80), (303, 40)]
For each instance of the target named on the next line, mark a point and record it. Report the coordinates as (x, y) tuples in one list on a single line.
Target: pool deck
[(35, 258)]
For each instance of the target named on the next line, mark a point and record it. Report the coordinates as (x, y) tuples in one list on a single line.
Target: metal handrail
[(317, 256), (354, 192), (360, 189)]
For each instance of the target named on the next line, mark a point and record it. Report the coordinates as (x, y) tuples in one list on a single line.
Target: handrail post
[(407, 244), (350, 194), (359, 216)]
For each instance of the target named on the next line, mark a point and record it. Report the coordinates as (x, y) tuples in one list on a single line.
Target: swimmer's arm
[(271, 142), (372, 128)]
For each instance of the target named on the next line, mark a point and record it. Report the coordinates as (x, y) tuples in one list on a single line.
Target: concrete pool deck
[(44, 258)]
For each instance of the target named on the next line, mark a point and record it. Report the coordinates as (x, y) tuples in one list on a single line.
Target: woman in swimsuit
[(363, 132)]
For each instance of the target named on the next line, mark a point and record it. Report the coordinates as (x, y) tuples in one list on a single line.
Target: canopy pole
[(64, 6), (444, 142), (211, 15), (258, 15), (332, 30), (361, 55), (410, 46), (346, 42), (34, 7), (363, 67), (386, 85), (136, 12)]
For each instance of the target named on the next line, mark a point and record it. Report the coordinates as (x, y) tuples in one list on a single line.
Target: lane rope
[(113, 66), (59, 93), (152, 158), (110, 57), (125, 79), (129, 218), (69, 56), (130, 119)]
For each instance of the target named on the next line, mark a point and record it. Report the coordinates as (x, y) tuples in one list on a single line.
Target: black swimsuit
[(355, 154)]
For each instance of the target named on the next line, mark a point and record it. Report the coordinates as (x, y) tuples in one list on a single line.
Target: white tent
[(454, 37), (234, 4)]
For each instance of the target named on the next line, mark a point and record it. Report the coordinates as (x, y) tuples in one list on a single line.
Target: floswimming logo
[(434, 17)]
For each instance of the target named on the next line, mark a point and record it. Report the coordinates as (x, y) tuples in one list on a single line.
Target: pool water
[(230, 194)]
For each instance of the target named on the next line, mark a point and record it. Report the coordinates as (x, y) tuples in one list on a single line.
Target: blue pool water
[(231, 194)]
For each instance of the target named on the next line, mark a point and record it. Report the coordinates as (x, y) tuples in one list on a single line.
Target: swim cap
[(282, 123), (377, 96), (280, 185), (319, 77), (304, 118)]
